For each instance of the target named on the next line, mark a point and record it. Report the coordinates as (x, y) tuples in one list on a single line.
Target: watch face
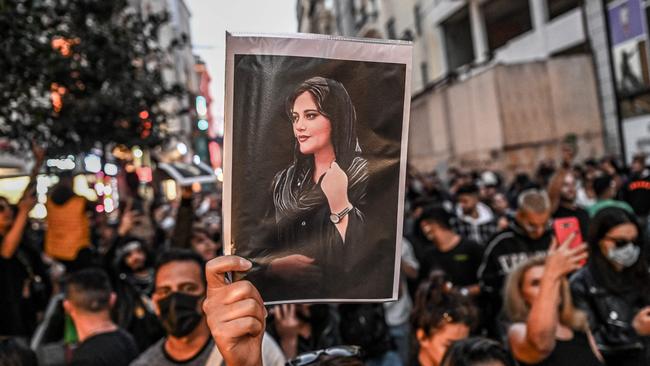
[(335, 218)]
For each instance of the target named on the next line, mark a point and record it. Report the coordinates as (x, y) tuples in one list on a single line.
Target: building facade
[(179, 69), (496, 83)]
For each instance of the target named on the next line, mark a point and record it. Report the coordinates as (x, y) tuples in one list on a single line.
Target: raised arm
[(533, 341)]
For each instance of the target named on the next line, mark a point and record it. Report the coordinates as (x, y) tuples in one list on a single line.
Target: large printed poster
[(314, 164)]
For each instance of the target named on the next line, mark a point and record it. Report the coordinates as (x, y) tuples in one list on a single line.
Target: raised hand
[(335, 186), (235, 313), (28, 200), (641, 322), (562, 259)]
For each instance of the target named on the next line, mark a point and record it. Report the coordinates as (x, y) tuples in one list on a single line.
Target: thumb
[(216, 269)]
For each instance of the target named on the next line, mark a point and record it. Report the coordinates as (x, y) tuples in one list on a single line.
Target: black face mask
[(178, 313)]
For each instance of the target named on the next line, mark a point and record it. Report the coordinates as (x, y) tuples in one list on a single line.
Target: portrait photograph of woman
[(315, 163)]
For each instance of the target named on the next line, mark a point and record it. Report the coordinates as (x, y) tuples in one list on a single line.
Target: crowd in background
[(484, 278)]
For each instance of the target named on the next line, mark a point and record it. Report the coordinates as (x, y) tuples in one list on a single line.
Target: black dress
[(574, 352), (302, 216)]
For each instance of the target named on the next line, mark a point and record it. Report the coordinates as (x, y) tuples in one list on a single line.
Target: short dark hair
[(437, 214), (469, 188), (89, 289), (602, 184), (476, 351), (180, 255)]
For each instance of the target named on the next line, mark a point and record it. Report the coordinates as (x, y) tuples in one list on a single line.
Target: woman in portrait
[(318, 198)]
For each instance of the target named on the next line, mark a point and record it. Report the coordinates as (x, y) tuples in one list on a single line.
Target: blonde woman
[(546, 329)]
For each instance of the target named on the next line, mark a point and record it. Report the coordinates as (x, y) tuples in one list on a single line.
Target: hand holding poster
[(315, 162)]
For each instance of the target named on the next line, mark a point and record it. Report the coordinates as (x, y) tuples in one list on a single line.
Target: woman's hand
[(235, 313), (295, 266), (641, 322), (562, 259), (335, 186)]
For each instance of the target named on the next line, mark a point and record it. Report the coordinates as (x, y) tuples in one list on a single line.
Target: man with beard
[(528, 236), (474, 219), (133, 277), (180, 287), (563, 193)]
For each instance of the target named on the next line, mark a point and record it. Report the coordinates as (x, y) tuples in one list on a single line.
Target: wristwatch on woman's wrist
[(337, 217)]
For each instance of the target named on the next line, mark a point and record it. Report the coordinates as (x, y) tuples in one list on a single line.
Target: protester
[(458, 257), (68, 234), (546, 329), (303, 328), (12, 353), (24, 285), (605, 190), (133, 278), (88, 301), (528, 236), (636, 191), (441, 315), (502, 211), (476, 351), (562, 192), (614, 288), (398, 312), (180, 287), (474, 219), (202, 242), (365, 325)]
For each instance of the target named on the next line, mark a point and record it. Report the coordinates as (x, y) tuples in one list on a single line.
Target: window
[(559, 7), (505, 20), (390, 29), (459, 48)]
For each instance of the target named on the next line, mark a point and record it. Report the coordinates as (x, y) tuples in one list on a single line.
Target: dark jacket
[(503, 254), (610, 319)]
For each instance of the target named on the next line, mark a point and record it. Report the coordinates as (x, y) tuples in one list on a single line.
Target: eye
[(311, 115), (294, 118)]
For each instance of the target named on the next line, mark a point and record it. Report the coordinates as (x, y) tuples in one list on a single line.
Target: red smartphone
[(564, 227)]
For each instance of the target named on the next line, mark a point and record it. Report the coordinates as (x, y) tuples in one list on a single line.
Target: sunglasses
[(338, 351), (619, 242)]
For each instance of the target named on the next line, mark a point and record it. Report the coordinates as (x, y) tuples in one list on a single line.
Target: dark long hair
[(437, 302), (635, 277), (333, 102)]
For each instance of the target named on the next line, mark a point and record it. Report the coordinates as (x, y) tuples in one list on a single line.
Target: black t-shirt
[(579, 213), (576, 351), (460, 264), (115, 348), (18, 306), (637, 193)]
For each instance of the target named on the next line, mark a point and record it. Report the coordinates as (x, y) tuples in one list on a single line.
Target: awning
[(188, 174)]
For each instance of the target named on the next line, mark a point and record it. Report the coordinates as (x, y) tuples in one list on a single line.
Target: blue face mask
[(626, 255)]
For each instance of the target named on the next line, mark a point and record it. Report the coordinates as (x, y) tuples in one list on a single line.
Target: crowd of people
[(485, 279)]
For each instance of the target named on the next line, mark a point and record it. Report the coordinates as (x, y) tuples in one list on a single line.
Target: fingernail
[(245, 263)]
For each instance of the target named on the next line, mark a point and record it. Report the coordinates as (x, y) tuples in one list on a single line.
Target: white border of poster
[(326, 47)]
